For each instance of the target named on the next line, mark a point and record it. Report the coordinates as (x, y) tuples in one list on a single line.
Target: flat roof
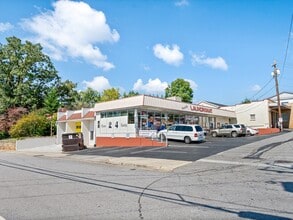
[(160, 104)]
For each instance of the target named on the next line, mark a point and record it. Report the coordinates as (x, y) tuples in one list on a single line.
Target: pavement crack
[(143, 192)]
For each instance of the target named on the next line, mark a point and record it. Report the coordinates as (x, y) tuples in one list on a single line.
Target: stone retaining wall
[(7, 145)]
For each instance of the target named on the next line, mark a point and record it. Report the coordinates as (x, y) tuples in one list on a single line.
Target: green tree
[(246, 101), (110, 94), (68, 95), (51, 102), (89, 97), (26, 75), (130, 94), (180, 88)]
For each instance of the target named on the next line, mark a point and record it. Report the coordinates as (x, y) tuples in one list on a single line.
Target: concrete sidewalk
[(274, 151)]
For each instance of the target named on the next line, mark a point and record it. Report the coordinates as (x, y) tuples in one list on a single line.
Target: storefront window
[(130, 117), (123, 113), (109, 114)]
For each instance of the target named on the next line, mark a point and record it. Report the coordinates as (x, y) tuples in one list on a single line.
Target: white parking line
[(191, 146), (142, 151), (121, 149), (173, 152)]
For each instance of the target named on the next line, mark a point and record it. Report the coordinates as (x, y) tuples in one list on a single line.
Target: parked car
[(231, 130), (72, 142), (251, 131), (243, 129), (186, 133)]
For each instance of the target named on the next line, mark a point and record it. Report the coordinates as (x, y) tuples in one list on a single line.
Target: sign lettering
[(201, 109)]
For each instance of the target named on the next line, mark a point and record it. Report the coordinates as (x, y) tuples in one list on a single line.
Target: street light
[(275, 74)]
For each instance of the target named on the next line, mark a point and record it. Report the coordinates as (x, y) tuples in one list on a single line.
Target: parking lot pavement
[(256, 150), (274, 151)]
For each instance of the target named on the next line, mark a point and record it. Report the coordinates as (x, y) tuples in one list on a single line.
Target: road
[(223, 186)]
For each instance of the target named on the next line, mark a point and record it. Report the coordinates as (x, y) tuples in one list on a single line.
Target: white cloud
[(151, 87), (256, 88), (182, 3), (170, 55), (215, 63), (193, 85), (99, 83), (5, 27), (73, 29)]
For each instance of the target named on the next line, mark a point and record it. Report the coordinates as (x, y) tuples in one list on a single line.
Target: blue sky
[(224, 48)]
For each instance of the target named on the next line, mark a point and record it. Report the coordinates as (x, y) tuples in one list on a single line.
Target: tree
[(26, 75), (130, 94), (9, 118), (110, 94), (89, 97), (180, 88), (68, 96), (51, 102), (246, 101)]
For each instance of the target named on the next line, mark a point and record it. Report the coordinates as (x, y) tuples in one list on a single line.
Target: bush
[(31, 125), (3, 135)]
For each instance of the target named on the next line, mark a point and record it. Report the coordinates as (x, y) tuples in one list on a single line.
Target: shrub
[(3, 135), (31, 125)]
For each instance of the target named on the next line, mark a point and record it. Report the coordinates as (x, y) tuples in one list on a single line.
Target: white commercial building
[(132, 121), (264, 114)]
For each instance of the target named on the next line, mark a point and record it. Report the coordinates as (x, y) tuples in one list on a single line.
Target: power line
[(283, 67), (262, 88), (268, 91), (287, 47)]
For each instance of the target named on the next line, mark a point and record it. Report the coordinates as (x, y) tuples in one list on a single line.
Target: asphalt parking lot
[(176, 150)]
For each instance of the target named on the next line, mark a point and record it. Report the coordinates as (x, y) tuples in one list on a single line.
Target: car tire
[(214, 134), (187, 140), (234, 134)]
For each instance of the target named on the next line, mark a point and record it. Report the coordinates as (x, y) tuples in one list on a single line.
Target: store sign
[(114, 125), (201, 109), (78, 126)]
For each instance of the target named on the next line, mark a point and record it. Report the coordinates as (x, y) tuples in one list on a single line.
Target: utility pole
[(275, 74)]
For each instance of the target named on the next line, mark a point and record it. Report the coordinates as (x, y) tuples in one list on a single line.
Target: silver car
[(231, 130)]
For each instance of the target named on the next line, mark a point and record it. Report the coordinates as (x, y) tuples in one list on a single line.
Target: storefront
[(134, 120)]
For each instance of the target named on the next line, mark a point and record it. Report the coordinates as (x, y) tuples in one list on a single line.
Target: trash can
[(72, 142)]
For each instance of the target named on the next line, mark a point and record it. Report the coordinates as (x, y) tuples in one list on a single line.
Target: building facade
[(264, 114), (134, 120)]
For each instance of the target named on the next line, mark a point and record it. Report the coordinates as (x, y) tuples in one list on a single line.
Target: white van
[(186, 133)]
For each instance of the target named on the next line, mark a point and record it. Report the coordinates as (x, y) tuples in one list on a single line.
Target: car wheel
[(214, 134), (187, 140), (234, 134)]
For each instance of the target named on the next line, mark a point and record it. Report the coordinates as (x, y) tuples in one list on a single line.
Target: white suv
[(186, 133)]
